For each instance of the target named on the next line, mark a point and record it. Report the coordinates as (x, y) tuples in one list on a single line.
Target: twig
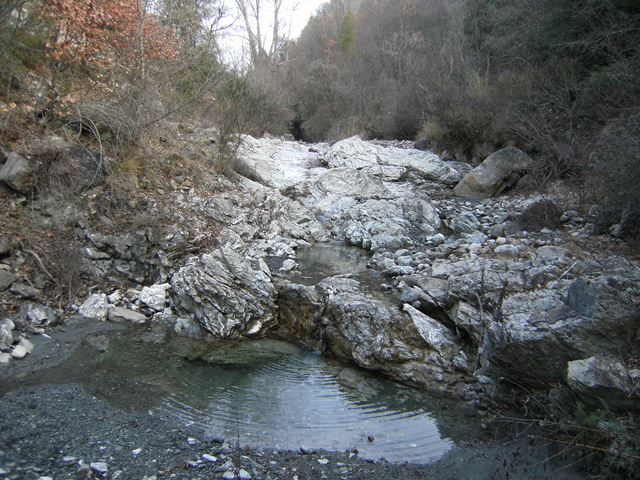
[(40, 263), (568, 270), (588, 447)]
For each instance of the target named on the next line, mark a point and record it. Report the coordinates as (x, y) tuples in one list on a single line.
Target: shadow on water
[(265, 393)]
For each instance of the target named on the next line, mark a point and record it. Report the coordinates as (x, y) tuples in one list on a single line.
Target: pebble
[(5, 358), (323, 461), (244, 475), (69, 460), (19, 352), (438, 239), (101, 468), (510, 251), (192, 441), (136, 452), (209, 458), (228, 475), (27, 345)]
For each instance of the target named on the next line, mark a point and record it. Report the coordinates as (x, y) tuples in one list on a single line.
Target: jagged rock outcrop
[(521, 311), (401, 342), (225, 294), (274, 163), (388, 163)]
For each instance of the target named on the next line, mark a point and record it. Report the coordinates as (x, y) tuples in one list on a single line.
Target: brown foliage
[(98, 31)]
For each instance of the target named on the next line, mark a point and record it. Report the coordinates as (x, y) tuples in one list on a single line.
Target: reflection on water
[(323, 260), (263, 393)]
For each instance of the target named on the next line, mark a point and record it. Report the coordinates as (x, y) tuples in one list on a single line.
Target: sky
[(296, 13)]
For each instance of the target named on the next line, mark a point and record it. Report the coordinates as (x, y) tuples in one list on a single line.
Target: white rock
[(28, 346), (209, 458), (244, 475), (288, 265), (101, 468), (19, 352), (95, 306), (115, 297), (124, 315), (323, 461), (5, 358), (438, 239), (154, 296)]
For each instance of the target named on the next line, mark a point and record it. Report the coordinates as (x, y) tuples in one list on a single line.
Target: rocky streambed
[(366, 255)]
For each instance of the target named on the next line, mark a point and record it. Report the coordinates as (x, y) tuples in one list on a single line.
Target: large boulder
[(499, 172), (389, 163), (16, 172), (225, 295), (272, 162)]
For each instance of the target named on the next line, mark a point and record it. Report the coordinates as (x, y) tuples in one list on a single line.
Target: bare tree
[(263, 49)]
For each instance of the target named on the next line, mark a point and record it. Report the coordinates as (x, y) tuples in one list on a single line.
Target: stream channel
[(268, 393)]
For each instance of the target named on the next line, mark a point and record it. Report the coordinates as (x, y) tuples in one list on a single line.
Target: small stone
[(244, 475), (24, 291), (209, 458), (192, 441), (288, 265), (6, 280), (115, 297), (5, 245), (45, 478), (323, 461), (28, 346), (95, 306), (68, 460), (228, 475), (19, 352), (101, 468), (124, 315), (136, 452), (38, 315), (5, 358), (154, 296), (404, 261), (16, 172), (438, 239), (507, 251)]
